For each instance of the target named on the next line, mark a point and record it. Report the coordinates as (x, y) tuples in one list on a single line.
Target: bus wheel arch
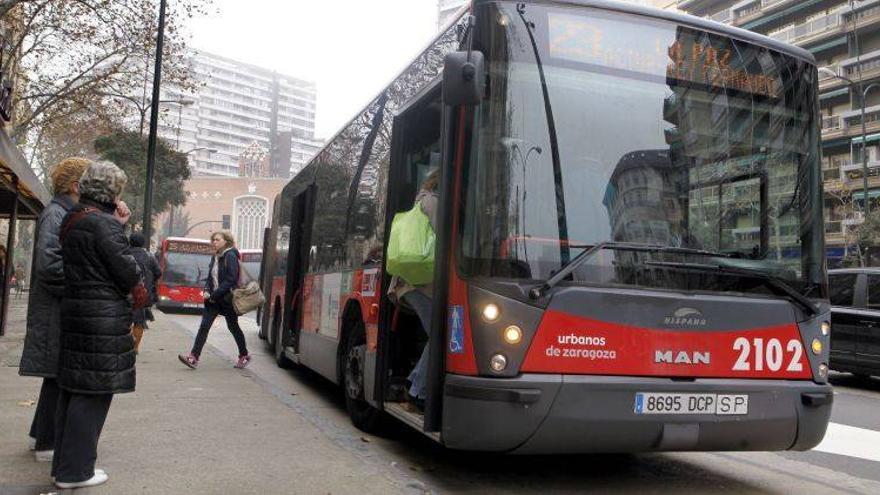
[(351, 366)]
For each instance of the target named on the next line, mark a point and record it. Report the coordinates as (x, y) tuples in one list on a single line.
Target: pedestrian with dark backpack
[(152, 272)]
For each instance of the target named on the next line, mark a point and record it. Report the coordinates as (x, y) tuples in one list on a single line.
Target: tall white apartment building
[(238, 104)]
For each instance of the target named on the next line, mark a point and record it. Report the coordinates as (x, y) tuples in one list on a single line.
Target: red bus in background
[(184, 265)]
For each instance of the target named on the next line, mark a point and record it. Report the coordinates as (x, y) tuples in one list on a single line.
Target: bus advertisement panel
[(184, 265), (629, 251)]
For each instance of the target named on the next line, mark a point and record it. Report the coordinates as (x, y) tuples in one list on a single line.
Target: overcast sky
[(350, 48)]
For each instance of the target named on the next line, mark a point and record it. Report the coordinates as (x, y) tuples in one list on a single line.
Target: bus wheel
[(364, 416), (280, 342), (274, 325)]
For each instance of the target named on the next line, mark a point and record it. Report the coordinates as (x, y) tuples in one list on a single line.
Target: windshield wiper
[(561, 221), (769, 280), (566, 269)]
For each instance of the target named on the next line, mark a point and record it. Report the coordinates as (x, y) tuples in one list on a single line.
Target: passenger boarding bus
[(629, 253), (184, 265)]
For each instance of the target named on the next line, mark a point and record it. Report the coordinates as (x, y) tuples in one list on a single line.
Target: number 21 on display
[(767, 354)]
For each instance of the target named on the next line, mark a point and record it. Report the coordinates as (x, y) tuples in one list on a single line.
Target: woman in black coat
[(223, 276), (97, 349)]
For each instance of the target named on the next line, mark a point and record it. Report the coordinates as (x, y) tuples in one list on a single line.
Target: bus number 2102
[(767, 354)]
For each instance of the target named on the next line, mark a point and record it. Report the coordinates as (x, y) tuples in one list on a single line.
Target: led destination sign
[(190, 247), (662, 50)]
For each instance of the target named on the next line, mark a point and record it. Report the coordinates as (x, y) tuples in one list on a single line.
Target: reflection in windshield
[(666, 136), (186, 269)]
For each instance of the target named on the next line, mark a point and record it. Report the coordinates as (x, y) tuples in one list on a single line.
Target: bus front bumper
[(169, 305), (536, 413)]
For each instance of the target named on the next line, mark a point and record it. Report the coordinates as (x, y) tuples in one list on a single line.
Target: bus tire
[(278, 334), (363, 416)]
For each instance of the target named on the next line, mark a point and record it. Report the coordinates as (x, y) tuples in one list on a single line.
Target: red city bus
[(629, 245), (184, 265)]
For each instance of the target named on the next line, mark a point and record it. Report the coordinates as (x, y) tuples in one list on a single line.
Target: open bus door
[(261, 277), (297, 259), (417, 146)]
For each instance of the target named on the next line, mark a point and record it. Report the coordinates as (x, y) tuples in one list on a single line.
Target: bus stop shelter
[(22, 197)]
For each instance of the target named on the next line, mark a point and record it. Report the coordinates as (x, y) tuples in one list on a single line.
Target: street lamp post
[(154, 128), (863, 94)]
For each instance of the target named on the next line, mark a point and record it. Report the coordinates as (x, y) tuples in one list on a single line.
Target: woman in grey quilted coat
[(43, 339)]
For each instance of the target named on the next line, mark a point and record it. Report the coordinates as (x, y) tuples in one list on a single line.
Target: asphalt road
[(848, 461)]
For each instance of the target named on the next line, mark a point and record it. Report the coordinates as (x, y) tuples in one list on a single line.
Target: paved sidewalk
[(212, 431)]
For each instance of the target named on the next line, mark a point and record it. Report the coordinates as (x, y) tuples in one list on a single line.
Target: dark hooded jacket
[(97, 349), (42, 343), (151, 270), (228, 271)]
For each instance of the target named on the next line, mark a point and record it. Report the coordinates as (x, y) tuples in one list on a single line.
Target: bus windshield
[(186, 269), (605, 127)]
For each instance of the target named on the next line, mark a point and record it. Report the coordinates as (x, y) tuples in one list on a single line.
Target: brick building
[(241, 204)]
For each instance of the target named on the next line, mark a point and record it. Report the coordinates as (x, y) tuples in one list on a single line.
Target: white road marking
[(851, 441)]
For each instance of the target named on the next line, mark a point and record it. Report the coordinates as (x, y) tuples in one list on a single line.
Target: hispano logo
[(685, 317)]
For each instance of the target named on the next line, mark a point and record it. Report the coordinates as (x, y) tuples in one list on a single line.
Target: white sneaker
[(96, 472), (99, 478), (44, 455), (32, 443)]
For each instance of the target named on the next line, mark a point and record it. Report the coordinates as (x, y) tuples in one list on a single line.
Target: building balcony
[(832, 127), (746, 12), (868, 62), (833, 227), (814, 30), (696, 5), (866, 14), (852, 122)]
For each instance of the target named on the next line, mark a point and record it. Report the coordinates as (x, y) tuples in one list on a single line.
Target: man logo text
[(681, 357)]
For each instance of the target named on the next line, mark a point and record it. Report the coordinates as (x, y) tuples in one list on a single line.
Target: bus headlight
[(816, 346), (164, 298), (823, 370), (826, 328), (498, 362), (491, 312), (513, 334)]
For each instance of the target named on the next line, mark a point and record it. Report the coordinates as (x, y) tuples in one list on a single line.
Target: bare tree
[(83, 57), (848, 208)]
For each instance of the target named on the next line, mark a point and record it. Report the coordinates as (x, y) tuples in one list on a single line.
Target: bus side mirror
[(464, 76)]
